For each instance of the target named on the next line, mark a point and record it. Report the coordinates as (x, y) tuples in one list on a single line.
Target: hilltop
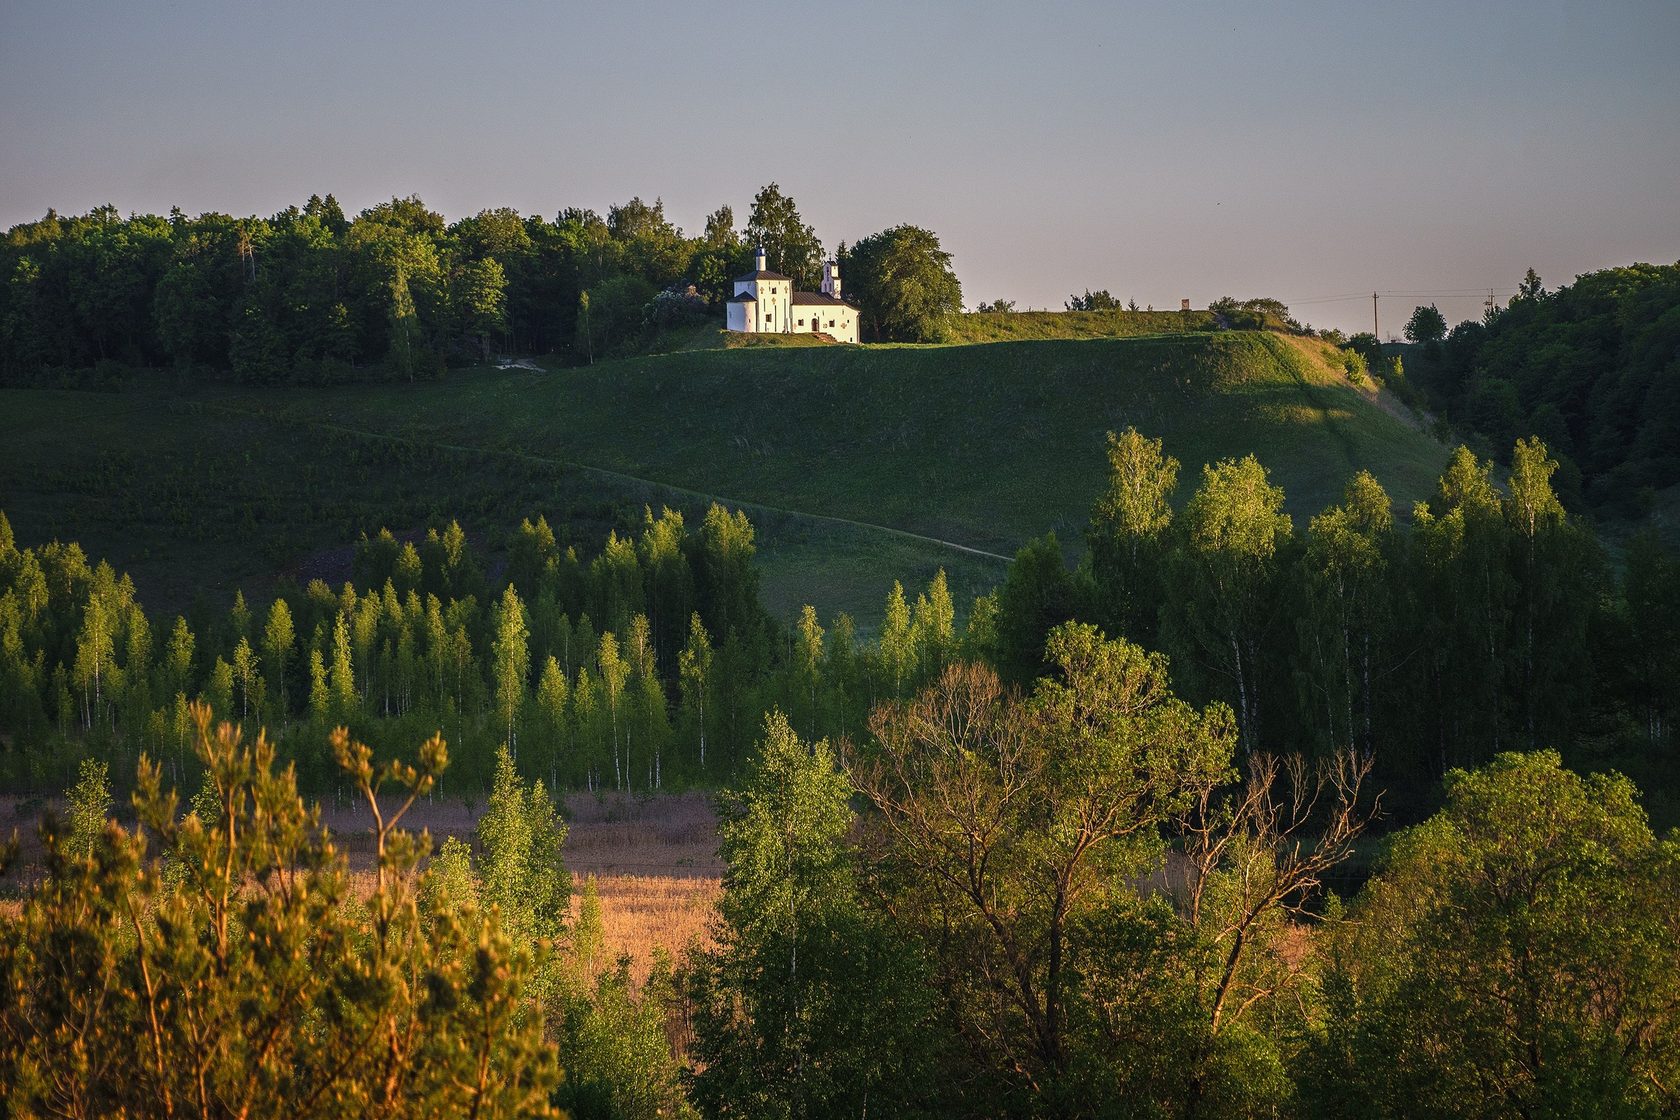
[(858, 464)]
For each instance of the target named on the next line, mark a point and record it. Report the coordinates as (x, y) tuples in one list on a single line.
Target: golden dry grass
[(654, 860), (656, 868)]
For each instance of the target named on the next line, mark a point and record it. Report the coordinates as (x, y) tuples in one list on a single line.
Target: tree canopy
[(791, 245), (903, 283)]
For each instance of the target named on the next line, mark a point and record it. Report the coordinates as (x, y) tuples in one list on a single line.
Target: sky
[(1312, 152)]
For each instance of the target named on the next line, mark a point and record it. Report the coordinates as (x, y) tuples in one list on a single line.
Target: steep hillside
[(859, 464)]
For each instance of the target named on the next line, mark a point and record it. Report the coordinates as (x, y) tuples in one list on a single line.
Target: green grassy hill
[(1015, 326), (859, 464)]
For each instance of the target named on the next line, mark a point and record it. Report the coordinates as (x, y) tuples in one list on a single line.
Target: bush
[(678, 305)]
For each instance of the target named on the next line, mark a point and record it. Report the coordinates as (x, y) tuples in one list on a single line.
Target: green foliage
[(86, 806), (519, 877), (1227, 574), (790, 245), (443, 651), (520, 874), (809, 1005), (1427, 325), (1511, 957), (1590, 368), (308, 296), (1346, 635), (450, 885), (1094, 301), (512, 658), (903, 284), (1002, 824), (1038, 594), (1260, 314), (250, 984), (615, 1034), (1127, 534), (1358, 370)]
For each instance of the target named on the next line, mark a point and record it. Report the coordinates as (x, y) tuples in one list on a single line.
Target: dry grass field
[(654, 860)]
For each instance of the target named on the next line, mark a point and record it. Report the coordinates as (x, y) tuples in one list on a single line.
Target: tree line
[(1026, 866), (645, 666), (1593, 368), (1081, 898), (1488, 620), (312, 295), (1085, 899)]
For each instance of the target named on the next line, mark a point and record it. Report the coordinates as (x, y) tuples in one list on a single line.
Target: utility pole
[(1374, 330)]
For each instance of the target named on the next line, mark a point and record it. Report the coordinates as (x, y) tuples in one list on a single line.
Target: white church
[(765, 303)]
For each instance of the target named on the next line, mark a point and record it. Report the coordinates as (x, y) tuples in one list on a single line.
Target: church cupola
[(831, 279), (758, 260)]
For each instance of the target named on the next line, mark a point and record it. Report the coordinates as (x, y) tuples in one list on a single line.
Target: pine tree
[(133, 990)]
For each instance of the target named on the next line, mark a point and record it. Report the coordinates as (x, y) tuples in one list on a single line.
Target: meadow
[(858, 465)]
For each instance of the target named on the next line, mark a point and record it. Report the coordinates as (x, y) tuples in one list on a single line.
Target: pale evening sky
[(1161, 150)]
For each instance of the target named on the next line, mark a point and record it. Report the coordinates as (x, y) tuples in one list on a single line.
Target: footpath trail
[(619, 477)]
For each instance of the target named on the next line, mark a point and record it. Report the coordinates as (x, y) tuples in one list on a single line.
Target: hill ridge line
[(621, 476)]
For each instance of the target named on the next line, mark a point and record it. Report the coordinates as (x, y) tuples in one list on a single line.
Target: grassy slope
[(985, 446), (1014, 326)]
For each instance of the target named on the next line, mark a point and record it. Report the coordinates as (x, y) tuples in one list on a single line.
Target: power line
[(1464, 292)]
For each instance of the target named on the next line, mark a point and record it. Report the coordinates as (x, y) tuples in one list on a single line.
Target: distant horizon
[(1310, 154)]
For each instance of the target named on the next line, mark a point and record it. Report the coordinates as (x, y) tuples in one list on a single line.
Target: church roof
[(817, 299), (762, 276), (744, 297)]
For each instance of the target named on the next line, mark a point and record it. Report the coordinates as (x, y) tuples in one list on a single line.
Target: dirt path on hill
[(616, 476)]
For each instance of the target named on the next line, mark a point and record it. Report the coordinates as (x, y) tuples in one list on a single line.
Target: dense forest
[(1310, 859), (1488, 620), (1593, 368), (1084, 898), (310, 295)]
